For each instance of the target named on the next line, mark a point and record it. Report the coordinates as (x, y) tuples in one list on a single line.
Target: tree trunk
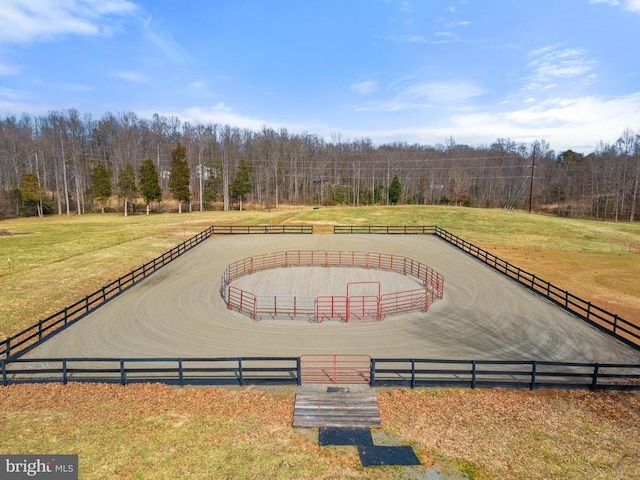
[(634, 197), (179, 207), (126, 207)]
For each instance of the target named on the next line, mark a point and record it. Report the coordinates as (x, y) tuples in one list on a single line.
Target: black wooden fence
[(259, 370), (27, 339), (256, 229), (287, 370), (606, 321), (24, 341)]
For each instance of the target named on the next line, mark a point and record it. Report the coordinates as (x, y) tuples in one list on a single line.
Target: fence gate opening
[(363, 301), (339, 369)]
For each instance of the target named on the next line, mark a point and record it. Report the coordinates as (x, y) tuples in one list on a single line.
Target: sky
[(414, 71)]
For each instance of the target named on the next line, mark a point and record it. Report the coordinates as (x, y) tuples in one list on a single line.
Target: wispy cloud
[(408, 38), (132, 77), (630, 5), (221, 114), (549, 64), (36, 20), (462, 23), (426, 95), (564, 123), (164, 40), (364, 88), (8, 70)]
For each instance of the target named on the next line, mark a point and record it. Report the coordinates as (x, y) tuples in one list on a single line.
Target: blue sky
[(390, 70)]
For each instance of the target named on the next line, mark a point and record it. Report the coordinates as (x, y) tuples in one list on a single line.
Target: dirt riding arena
[(179, 312)]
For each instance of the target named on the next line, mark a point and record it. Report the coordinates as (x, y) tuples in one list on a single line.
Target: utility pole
[(533, 166)]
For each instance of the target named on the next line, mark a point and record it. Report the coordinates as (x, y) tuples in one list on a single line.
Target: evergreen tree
[(31, 193), (149, 183), (180, 176), (101, 179), (127, 188), (241, 184), (395, 189)]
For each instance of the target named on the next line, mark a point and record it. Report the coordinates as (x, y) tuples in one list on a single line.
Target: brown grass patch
[(155, 431)]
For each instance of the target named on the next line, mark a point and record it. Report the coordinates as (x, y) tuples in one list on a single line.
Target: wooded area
[(67, 162)]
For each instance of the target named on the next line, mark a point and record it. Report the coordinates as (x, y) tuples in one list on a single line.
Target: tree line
[(67, 162)]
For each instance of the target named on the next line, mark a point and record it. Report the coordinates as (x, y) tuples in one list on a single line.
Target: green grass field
[(160, 432)]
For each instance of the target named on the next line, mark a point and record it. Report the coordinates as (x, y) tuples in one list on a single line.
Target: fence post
[(64, 371), (298, 371), (473, 374), (615, 323), (240, 376), (8, 348), (4, 372), (413, 373), (534, 366), (372, 373), (123, 375), (40, 331), (180, 373), (65, 315), (594, 381)]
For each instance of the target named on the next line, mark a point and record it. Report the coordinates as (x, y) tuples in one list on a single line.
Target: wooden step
[(336, 409)]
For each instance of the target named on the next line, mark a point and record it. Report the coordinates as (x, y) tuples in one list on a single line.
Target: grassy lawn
[(158, 432)]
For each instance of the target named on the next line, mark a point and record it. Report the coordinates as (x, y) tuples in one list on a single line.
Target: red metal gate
[(338, 369)]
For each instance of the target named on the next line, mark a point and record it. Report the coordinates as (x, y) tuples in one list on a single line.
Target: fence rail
[(611, 323), (504, 374), (314, 369), (385, 229), (606, 321), (174, 371), (27, 339), (257, 229)]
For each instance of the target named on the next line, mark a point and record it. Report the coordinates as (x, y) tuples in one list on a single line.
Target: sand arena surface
[(178, 311)]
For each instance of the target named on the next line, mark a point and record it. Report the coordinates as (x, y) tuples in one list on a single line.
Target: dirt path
[(178, 312)]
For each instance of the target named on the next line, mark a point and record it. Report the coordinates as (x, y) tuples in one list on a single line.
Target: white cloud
[(408, 38), (578, 123), (365, 88), (198, 85), (631, 5), (551, 63), (442, 92), (22, 21), (444, 34), (7, 70), (164, 41), (220, 114), (132, 77), (412, 95)]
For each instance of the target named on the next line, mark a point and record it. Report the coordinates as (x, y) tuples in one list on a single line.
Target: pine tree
[(127, 188), (31, 192), (149, 183), (101, 178), (180, 176), (241, 184), (395, 189)]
